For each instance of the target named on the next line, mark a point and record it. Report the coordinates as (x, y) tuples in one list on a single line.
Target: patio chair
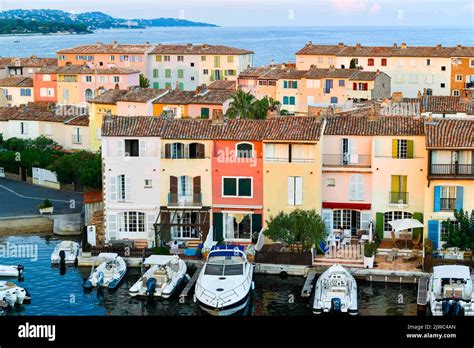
[(416, 243), (392, 256), (394, 239)]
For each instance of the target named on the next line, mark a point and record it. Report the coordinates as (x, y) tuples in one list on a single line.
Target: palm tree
[(144, 82), (241, 105)]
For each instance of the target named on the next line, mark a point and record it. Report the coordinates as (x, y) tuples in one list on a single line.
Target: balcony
[(177, 200), (398, 197), (465, 171), (448, 204), (346, 160)]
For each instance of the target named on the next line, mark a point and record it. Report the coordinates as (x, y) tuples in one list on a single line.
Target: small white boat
[(336, 291), (162, 277), (11, 271), (224, 284), (11, 294), (66, 251), (109, 273), (450, 291)]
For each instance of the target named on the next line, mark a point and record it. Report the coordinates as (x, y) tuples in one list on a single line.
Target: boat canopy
[(160, 260), (452, 271), (108, 256)]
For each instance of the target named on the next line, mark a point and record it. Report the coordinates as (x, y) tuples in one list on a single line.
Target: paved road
[(20, 198)]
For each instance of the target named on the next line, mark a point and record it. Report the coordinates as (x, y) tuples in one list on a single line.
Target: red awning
[(353, 206)]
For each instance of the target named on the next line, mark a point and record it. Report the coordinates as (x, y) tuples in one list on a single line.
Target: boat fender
[(62, 255), (150, 286)]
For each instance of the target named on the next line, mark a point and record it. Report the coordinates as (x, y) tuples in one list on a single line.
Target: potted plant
[(46, 207), (370, 249), (204, 253)]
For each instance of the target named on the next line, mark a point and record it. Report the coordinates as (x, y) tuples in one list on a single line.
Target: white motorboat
[(336, 291), (224, 284), (450, 291), (66, 251), (11, 294), (109, 273), (162, 277), (11, 271)]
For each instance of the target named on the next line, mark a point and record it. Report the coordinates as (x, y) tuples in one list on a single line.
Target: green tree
[(79, 168), (241, 105), (461, 233), (304, 227), (352, 64), (144, 82)]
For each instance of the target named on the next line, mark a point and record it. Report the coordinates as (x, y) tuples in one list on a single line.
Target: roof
[(44, 112), (81, 120), (351, 74), (191, 97), (452, 271), (86, 70), (109, 97), (386, 51), (450, 133), (255, 72), (141, 95), (226, 85), (279, 73), (198, 49), (108, 48), (27, 62), (285, 128), (349, 124), (16, 81), (446, 104)]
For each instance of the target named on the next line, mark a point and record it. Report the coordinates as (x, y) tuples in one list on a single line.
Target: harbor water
[(57, 291)]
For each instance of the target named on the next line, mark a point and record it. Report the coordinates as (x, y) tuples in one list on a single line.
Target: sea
[(277, 44)]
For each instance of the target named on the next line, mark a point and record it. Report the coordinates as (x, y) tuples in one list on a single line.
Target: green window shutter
[(204, 112), (167, 73), (230, 59), (404, 183), (285, 84), (217, 226), (409, 148), (416, 231), (212, 75), (217, 61), (156, 73), (225, 72), (158, 58), (395, 183), (295, 84), (230, 187), (180, 73), (292, 100), (245, 187), (394, 148), (181, 86), (168, 85), (379, 221), (156, 85), (256, 225), (285, 100)]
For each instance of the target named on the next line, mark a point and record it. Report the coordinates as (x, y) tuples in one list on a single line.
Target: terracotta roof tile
[(86, 70), (141, 95), (198, 49), (108, 48), (217, 97), (450, 134), (16, 81), (44, 112), (137, 126), (109, 97), (224, 85), (447, 104), (28, 62)]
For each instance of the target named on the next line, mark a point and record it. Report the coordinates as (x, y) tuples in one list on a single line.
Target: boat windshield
[(224, 266)]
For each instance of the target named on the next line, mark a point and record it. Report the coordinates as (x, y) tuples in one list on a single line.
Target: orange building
[(462, 73), (45, 85)]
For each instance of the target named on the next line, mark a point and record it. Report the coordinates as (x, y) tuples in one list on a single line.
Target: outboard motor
[(150, 287), (27, 296), (336, 305), (62, 256), (457, 309), (445, 307), (20, 269)]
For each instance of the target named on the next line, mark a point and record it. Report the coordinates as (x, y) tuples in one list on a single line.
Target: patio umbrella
[(405, 224)]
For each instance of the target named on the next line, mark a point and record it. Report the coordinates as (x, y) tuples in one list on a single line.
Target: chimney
[(147, 43), (340, 44), (358, 45), (404, 45), (205, 46), (397, 97), (201, 90), (377, 72), (438, 46), (373, 115), (115, 45), (459, 46), (217, 117), (108, 117), (309, 43), (395, 45)]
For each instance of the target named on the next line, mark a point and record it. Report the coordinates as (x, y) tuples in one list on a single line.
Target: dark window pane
[(214, 269), (230, 187), (131, 148), (245, 187), (233, 270)]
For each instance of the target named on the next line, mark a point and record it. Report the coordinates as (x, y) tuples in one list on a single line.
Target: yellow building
[(450, 145)]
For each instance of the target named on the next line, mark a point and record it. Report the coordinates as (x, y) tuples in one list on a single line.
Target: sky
[(253, 13)]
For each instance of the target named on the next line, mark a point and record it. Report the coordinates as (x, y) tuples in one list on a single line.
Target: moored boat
[(65, 252), (109, 273), (225, 282), (11, 271), (450, 291), (163, 276), (12, 294), (336, 292)]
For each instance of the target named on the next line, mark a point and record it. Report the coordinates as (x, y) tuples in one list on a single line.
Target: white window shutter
[(128, 189), (327, 217), (112, 225), (120, 148), (352, 147), (360, 187), (269, 151), (291, 190), (299, 190), (353, 187), (113, 189), (142, 148), (364, 220), (150, 219)]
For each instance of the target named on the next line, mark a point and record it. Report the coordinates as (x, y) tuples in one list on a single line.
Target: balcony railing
[(287, 160), (177, 200), (448, 203), (452, 169), (398, 197), (346, 160)]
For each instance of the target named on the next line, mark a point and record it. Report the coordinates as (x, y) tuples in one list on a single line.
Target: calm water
[(62, 294), (268, 43)]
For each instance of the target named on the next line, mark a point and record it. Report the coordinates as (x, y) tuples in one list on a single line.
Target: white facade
[(131, 187)]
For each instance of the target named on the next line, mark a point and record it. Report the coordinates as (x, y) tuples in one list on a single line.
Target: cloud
[(375, 8), (349, 6)]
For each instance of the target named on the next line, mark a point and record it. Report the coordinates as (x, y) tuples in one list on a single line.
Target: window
[(196, 150), (443, 85), (443, 230), (370, 62), (183, 228), (330, 60), (458, 77), (244, 150), (158, 59), (443, 68), (180, 58), (237, 226), (167, 58), (361, 86), (356, 187), (168, 85), (156, 73), (320, 59), (132, 221), (177, 151), (89, 79), (342, 83), (448, 198), (290, 84), (121, 188), (148, 183), (383, 62), (333, 100), (168, 73), (191, 64), (236, 187), (262, 83), (180, 73), (116, 79), (89, 94), (46, 78), (413, 78), (295, 190), (25, 92), (62, 57), (192, 78), (292, 100), (205, 72), (230, 59), (217, 61), (456, 93), (23, 128), (131, 148), (112, 57), (394, 215), (402, 148), (204, 112), (43, 92), (428, 62), (185, 188), (342, 219), (272, 83), (76, 135), (398, 191), (124, 58), (331, 182)]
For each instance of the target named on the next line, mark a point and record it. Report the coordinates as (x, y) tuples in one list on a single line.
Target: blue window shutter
[(285, 84), (330, 83), (433, 232), (437, 198), (333, 100), (292, 100), (285, 100), (459, 197)]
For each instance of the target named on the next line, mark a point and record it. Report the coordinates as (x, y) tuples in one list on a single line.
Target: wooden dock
[(308, 284), (187, 289), (422, 297)]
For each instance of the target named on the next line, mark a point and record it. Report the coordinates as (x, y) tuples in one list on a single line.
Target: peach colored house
[(104, 56), (25, 66), (45, 85), (18, 90)]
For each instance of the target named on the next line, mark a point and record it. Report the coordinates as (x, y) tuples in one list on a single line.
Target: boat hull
[(226, 310)]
